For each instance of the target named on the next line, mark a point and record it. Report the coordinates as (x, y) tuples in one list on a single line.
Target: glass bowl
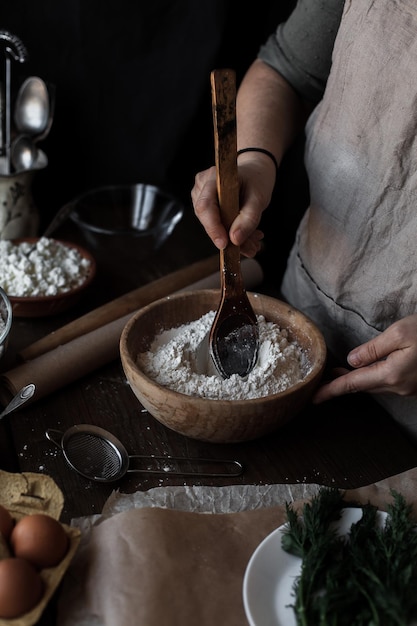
[(5, 321), (138, 217)]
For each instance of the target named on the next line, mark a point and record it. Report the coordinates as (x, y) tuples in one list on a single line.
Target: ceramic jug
[(19, 216)]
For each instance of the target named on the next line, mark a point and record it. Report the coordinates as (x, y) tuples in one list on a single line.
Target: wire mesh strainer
[(98, 455)]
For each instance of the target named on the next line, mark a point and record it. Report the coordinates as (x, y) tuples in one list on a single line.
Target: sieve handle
[(48, 435), (165, 466)]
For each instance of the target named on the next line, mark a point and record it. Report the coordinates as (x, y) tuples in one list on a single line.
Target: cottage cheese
[(46, 269), (172, 362)]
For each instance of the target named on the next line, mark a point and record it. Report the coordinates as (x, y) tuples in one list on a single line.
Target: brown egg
[(21, 587), (40, 539), (6, 522)]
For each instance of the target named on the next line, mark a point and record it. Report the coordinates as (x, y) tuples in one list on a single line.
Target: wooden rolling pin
[(128, 303), (69, 361)]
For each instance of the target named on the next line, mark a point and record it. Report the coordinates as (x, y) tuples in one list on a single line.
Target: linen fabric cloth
[(353, 266)]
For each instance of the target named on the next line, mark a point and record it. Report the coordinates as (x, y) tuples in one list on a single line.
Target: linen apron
[(353, 267)]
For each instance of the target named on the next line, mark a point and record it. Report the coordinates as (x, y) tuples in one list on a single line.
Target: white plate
[(270, 576)]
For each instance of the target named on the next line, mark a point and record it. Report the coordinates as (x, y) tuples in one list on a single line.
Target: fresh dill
[(366, 578)]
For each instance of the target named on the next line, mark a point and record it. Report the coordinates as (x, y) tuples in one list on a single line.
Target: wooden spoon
[(234, 335)]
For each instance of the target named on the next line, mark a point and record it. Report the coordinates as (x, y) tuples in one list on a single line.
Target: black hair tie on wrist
[(267, 152)]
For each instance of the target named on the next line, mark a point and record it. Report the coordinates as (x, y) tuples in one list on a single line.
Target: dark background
[(132, 92)]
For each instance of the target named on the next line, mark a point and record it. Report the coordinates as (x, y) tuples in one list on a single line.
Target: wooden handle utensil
[(234, 335)]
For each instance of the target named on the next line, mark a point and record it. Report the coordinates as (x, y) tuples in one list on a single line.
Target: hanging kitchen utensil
[(13, 50), (98, 455), (234, 335), (3, 166), (23, 153), (52, 97), (32, 107)]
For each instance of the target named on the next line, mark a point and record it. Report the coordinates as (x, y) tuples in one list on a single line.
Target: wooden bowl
[(221, 421), (42, 306)]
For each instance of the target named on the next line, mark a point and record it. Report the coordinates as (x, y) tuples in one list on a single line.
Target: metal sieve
[(98, 455)]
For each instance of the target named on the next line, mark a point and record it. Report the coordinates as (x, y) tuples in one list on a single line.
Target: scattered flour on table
[(171, 362)]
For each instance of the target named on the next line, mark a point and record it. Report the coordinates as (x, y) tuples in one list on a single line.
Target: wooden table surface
[(348, 442)]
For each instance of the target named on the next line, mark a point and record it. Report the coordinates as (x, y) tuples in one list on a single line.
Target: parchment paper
[(171, 556), (176, 556)]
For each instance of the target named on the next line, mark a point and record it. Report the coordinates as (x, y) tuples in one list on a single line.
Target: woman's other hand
[(385, 364)]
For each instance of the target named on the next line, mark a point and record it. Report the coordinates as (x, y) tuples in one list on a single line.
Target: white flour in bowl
[(171, 362)]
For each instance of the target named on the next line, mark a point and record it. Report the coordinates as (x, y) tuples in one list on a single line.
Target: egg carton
[(28, 493)]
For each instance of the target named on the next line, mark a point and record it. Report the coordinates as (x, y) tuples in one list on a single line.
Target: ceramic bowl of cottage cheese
[(159, 350), (44, 276), (5, 321)]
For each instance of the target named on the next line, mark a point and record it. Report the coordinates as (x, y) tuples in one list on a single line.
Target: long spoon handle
[(234, 336), (223, 86)]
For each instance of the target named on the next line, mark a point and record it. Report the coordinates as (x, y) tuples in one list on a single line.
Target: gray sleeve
[(301, 48)]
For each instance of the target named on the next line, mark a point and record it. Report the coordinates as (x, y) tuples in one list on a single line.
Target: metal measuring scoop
[(98, 455), (23, 153), (31, 113), (234, 335), (20, 398)]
